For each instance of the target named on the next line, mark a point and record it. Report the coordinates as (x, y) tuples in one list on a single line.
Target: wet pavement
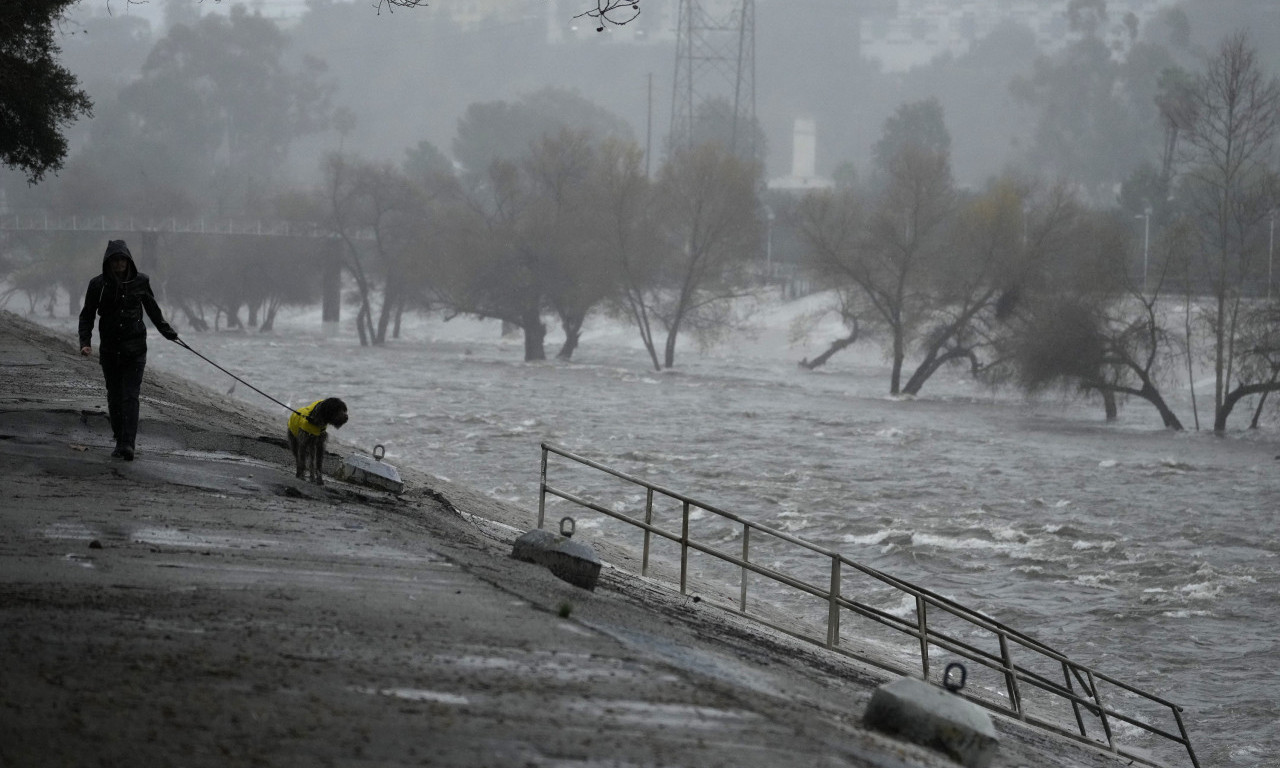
[(200, 606)]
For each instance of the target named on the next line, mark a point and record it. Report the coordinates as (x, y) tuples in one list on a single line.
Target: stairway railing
[(1019, 666)]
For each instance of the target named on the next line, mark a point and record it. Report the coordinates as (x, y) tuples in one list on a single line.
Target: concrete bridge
[(154, 225), (47, 222)]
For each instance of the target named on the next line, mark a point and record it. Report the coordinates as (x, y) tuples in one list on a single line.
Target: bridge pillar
[(332, 287)]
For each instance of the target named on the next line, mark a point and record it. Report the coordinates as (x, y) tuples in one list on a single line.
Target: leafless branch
[(611, 11), (394, 4)]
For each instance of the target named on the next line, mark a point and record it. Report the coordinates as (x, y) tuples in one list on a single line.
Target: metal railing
[(44, 222), (1016, 679)]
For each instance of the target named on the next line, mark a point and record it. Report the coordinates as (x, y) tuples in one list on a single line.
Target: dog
[(308, 435)]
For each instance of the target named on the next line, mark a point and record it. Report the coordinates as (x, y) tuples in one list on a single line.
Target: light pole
[(1146, 243), (768, 242), (1271, 247)]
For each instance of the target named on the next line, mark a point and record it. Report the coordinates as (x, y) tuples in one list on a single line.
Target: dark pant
[(123, 373)]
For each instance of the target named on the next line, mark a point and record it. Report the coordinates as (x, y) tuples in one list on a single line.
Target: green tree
[(39, 98), (1096, 110), (559, 170), (492, 268), (713, 120), (919, 124), (205, 127), (501, 130), (1094, 325)]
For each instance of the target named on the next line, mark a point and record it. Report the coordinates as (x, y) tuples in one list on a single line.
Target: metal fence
[(1022, 674), (44, 222)]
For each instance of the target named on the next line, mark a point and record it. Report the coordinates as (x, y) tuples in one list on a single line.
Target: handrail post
[(1185, 738), (684, 549), (922, 623), (833, 610), (1075, 705), (542, 489), (648, 521), (1011, 679), (1102, 710), (746, 558)]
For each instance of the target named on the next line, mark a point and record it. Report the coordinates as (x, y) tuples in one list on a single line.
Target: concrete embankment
[(199, 606)]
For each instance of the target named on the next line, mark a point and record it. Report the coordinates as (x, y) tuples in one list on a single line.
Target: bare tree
[(625, 232), (1228, 157), (886, 244), (379, 215), (708, 214)]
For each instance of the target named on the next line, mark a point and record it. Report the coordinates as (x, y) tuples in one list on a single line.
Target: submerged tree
[(1228, 161), (707, 212), (1093, 326), (890, 242), (625, 232), (378, 214)]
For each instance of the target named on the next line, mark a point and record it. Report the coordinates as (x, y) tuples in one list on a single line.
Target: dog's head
[(330, 412)]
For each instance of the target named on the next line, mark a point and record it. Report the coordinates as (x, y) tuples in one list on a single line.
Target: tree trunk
[(535, 332), (384, 315), (572, 325), (640, 314), (1257, 412), (1234, 396), (669, 350), (835, 347), (1109, 406), (269, 321), (197, 322), (361, 322), (899, 354)]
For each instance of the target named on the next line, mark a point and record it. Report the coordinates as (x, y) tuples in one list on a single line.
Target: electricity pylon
[(715, 61)]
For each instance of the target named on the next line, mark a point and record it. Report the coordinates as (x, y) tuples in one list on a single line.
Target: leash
[(187, 347)]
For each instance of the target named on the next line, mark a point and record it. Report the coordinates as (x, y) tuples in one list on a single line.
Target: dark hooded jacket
[(120, 304)]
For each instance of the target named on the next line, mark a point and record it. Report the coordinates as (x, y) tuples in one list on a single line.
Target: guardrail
[(1012, 682), (43, 222)]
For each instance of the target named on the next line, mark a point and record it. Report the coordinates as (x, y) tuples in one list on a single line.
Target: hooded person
[(118, 297)]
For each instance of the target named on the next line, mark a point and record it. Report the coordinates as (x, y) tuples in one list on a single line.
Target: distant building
[(922, 30), (804, 152)]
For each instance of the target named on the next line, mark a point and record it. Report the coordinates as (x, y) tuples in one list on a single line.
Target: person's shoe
[(118, 453), (126, 453)]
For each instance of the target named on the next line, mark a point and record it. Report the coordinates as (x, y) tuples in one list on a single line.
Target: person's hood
[(118, 248)]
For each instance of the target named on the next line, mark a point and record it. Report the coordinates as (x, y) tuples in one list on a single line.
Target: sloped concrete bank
[(199, 606)]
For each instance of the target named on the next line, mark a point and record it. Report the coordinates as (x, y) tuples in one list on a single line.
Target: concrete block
[(921, 713), (365, 470), (569, 560)]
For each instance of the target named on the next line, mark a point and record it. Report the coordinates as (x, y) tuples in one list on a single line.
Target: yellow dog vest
[(299, 422)]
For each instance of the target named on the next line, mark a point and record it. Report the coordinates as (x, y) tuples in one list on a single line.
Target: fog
[(408, 75), (208, 109)]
